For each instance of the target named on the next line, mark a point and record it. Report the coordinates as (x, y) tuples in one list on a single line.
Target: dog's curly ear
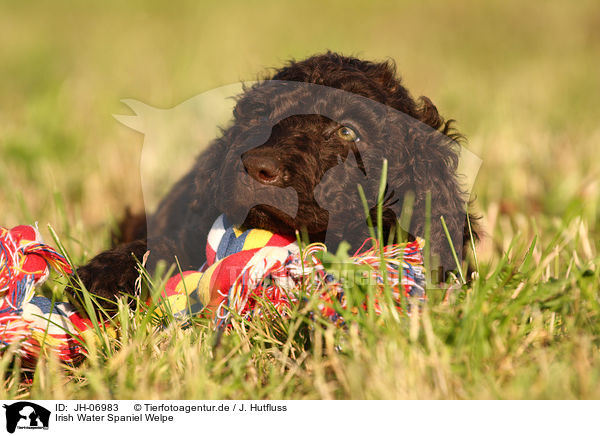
[(429, 114), (424, 160)]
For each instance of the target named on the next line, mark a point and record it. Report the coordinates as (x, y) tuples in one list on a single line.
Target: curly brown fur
[(284, 147)]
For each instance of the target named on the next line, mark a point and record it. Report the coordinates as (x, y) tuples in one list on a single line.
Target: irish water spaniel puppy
[(300, 143)]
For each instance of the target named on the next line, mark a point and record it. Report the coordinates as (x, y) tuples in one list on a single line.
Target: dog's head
[(302, 140)]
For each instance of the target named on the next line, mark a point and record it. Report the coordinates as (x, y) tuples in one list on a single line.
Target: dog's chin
[(269, 218), (274, 220)]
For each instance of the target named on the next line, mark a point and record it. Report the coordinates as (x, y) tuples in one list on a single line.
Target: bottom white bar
[(300, 417)]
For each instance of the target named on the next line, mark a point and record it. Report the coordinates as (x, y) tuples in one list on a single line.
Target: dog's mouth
[(266, 217), (279, 210), (250, 197), (270, 218), (247, 200)]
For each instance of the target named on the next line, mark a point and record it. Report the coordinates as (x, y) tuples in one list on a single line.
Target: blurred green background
[(521, 79)]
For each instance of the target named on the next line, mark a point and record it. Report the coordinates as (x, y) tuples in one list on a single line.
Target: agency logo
[(26, 415), (284, 156)]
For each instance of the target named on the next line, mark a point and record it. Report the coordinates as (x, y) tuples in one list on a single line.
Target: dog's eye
[(347, 134)]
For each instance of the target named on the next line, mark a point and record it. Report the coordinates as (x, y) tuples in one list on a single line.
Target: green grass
[(521, 79)]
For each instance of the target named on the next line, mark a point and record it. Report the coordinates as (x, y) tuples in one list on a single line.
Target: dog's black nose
[(265, 169)]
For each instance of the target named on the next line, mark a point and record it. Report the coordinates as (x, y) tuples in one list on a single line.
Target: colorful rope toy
[(32, 321), (245, 268)]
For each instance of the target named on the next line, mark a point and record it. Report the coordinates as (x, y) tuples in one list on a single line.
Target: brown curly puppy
[(299, 144)]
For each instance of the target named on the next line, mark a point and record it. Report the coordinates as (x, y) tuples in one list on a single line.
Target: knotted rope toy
[(245, 268), (33, 322)]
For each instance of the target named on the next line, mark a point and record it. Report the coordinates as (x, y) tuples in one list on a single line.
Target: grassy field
[(521, 79)]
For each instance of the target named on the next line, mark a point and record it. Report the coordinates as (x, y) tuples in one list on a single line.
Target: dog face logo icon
[(296, 166), (26, 415)]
